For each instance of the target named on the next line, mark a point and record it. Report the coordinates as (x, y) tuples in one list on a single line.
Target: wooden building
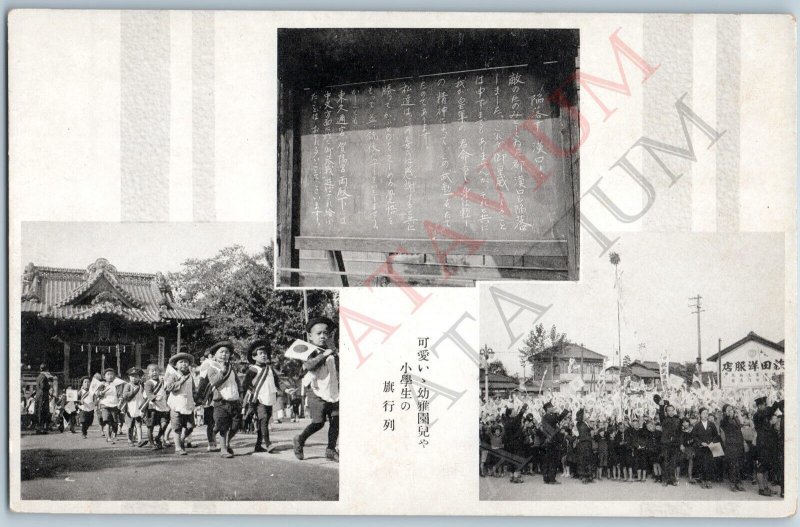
[(498, 384), (79, 321), (751, 362), (647, 371), (553, 364)]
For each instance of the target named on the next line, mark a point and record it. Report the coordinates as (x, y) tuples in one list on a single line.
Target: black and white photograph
[(576, 231), (158, 362), (433, 157), (661, 378)]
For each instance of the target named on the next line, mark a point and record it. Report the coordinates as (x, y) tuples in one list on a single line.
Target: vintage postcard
[(402, 263)]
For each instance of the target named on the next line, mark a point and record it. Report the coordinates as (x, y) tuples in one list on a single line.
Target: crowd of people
[(155, 404), (707, 435)]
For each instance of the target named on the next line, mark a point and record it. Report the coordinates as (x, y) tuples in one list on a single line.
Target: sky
[(135, 247), (739, 276)]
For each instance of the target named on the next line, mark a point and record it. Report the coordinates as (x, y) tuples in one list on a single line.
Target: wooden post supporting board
[(288, 186), (336, 263)]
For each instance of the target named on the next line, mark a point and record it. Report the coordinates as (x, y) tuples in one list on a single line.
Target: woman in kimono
[(704, 434)]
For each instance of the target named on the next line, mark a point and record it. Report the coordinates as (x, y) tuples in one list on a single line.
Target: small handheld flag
[(301, 350)]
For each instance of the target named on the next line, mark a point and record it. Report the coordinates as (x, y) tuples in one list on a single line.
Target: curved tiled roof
[(67, 294), (94, 280)]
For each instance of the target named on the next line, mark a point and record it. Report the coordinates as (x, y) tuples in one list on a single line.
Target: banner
[(663, 369)]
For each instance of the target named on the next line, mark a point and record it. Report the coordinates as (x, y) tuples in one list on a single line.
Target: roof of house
[(649, 364), (498, 381), (569, 351), (640, 370), (81, 294), (752, 336)]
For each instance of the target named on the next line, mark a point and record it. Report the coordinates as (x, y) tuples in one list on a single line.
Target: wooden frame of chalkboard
[(427, 152)]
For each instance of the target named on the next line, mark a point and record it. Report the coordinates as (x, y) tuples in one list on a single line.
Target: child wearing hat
[(109, 395), (323, 398), (85, 406), (132, 398), (226, 392), (204, 398), (155, 406), (180, 386), (262, 384)]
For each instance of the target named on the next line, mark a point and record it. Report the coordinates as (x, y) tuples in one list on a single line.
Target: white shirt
[(182, 401), (159, 402), (136, 402), (228, 389), (109, 398), (325, 381), (267, 394)]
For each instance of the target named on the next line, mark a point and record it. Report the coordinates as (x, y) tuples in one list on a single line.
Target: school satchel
[(549, 432), (147, 400)]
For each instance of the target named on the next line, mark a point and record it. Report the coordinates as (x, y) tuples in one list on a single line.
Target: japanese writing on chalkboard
[(388, 156)]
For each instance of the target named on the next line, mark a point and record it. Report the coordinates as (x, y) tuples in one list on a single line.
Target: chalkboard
[(384, 159), (423, 141)]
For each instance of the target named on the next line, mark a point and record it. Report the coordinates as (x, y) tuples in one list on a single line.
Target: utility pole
[(615, 260), (486, 353), (698, 308)]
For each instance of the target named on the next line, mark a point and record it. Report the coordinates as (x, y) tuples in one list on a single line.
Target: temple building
[(80, 321)]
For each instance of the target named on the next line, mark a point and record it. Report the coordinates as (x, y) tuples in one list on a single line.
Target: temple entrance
[(88, 358)]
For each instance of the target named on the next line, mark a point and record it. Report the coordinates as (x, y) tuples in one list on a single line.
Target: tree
[(626, 361), (236, 293), (539, 340), (497, 367)]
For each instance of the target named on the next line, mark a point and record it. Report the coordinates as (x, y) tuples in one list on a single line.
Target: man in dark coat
[(733, 444), (583, 449), (42, 408), (550, 450), (764, 451), (670, 443), (515, 439)]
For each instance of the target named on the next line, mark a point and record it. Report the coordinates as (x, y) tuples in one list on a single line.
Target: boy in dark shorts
[(155, 405), (323, 397), (262, 383), (227, 394), (85, 406), (180, 386), (109, 396), (132, 397)]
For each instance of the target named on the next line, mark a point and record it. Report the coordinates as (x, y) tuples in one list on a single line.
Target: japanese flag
[(171, 372), (301, 350), (208, 363), (94, 385)]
